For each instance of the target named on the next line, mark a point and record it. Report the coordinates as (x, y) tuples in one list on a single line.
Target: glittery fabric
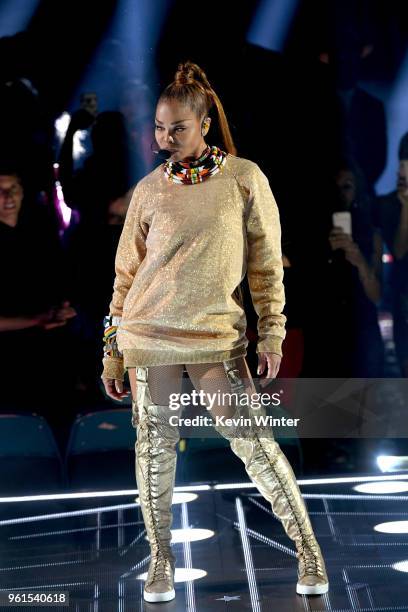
[(182, 254)]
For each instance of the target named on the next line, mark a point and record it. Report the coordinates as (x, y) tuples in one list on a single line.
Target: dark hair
[(363, 192), (403, 147), (11, 169), (192, 88)]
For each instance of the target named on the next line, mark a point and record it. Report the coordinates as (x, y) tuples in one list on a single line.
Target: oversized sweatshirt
[(182, 254)]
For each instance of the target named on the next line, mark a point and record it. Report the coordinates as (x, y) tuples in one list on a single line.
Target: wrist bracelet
[(110, 348)]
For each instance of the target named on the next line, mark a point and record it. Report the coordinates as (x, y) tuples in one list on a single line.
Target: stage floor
[(232, 552)]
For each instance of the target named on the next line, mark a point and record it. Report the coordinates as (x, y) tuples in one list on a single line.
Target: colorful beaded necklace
[(197, 171)]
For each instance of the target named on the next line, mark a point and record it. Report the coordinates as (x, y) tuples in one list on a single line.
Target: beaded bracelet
[(110, 348)]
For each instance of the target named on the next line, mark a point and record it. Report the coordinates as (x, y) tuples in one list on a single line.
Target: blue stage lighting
[(271, 24), (15, 16)]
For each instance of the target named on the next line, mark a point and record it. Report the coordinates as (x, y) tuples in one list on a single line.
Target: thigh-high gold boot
[(272, 474), (155, 475)]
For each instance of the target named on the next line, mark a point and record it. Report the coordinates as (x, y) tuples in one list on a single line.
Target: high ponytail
[(192, 88)]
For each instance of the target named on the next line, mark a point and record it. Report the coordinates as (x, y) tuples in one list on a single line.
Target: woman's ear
[(206, 125)]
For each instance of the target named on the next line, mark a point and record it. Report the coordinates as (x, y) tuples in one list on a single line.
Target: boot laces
[(312, 567), (160, 568), (311, 562)]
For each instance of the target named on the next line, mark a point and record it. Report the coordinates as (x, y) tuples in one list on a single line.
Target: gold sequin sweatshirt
[(182, 254)]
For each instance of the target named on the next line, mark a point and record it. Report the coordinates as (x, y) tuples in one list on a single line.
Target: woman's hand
[(114, 388), (270, 360), (46, 320), (340, 240), (354, 255), (56, 317), (65, 312)]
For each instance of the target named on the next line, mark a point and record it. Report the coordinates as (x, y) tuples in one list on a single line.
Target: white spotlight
[(181, 498), (189, 535), (392, 527), (392, 463), (401, 566), (182, 574), (178, 498), (382, 487), (78, 148), (61, 125)]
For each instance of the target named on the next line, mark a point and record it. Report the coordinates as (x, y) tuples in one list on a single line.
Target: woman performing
[(195, 225)]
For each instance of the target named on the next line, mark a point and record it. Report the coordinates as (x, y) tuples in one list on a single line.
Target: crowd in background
[(343, 289)]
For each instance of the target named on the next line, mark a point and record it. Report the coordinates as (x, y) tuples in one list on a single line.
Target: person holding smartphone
[(354, 279)]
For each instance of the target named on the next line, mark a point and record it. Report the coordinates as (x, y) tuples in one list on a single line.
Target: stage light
[(91, 494), (387, 258), (123, 74), (234, 485), (189, 535), (179, 498), (125, 52), (64, 212), (271, 24), (182, 574), (194, 488), (382, 487), (392, 463), (15, 16), (396, 101), (61, 126), (392, 527), (317, 481), (249, 564), (400, 566)]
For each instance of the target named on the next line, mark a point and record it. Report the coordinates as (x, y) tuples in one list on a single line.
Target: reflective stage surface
[(232, 553)]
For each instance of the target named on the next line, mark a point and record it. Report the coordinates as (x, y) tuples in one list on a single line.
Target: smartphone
[(343, 220)]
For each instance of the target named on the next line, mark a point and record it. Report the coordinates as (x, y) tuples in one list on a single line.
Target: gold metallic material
[(135, 413), (155, 475), (270, 471), (182, 254)]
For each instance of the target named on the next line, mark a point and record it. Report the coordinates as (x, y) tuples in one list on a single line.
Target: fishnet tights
[(211, 378)]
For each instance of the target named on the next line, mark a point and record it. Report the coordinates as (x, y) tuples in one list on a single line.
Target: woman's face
[(402, 184), (347, 187), (11, 198), (178, 129)]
